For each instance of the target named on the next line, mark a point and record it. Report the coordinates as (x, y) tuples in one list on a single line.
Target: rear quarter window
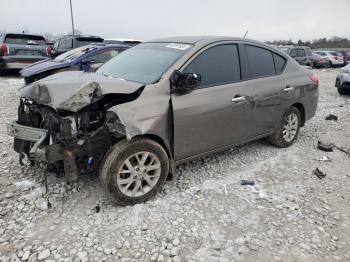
[(280, 63), (260, 60)]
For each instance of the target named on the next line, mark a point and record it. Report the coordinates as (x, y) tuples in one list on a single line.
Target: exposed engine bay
[(75, 143)]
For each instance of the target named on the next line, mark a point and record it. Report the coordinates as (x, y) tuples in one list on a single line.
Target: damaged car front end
[(69, 129)]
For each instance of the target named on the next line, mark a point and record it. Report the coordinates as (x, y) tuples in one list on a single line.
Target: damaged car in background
[(159, 104)]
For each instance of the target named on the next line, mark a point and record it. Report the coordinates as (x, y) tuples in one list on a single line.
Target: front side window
[(217, 65), (144, 63), (260, 61)]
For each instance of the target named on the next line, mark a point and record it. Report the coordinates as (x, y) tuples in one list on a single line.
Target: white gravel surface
[(204, 215)]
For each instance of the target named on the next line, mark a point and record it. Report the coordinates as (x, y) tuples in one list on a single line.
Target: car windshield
[(74, 54), (144, 63), (22, 39)]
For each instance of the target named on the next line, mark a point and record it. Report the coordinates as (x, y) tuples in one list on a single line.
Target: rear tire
[(342, 91), (134, 171), (288, 129)]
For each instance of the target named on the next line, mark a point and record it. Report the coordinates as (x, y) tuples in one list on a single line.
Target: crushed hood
[(74, 90)]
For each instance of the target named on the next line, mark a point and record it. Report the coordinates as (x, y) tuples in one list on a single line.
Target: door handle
[(289, 89), (238, 99)]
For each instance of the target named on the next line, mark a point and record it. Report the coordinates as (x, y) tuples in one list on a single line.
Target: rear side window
[(280, 62), (104, 56), (22, 39), (260, 61), (217, 65)]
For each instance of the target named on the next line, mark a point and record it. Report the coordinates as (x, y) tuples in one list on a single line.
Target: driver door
[(217, 113)]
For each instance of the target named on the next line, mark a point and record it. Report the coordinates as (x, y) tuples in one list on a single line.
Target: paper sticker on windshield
[(178, 46)]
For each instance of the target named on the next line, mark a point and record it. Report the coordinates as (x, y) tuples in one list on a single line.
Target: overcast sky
[(147, 19)]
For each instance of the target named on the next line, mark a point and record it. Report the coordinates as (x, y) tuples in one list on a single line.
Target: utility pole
[(71, 14)]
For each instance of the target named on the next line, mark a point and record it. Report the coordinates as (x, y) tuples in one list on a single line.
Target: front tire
[(134, 171), (288, 129)]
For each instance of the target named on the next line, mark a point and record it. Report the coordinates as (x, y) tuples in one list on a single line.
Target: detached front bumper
[(35, 136)]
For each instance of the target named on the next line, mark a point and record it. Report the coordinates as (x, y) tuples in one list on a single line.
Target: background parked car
[(318, 61), (130, 42), (346, 56), (342, 81), (332, 57), (19, 50), (302, 54), (70, 42), (85, 58)]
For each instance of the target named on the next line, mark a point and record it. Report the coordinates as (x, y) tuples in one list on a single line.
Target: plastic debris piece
[(332, 117), (319, 173), (325, 159), (225, 189), (97, 209), (325, 147), (247, 182)]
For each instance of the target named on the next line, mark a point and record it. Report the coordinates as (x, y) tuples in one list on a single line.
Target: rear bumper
[(343, 81), (14, 62)]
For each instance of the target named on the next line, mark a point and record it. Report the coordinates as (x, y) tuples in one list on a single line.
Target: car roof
[(82, 36), (194, 40), (102, 45)]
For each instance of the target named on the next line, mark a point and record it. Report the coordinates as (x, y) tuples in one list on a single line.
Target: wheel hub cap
[(138, 174), (290, 128)]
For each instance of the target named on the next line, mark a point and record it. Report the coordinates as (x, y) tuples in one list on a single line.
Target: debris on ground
[(332, 117), (325, 147), (247, 182), (325, 159), (319, 173), (97, 209), (329, 148)]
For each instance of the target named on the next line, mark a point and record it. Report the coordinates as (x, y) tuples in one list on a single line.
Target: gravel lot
[(203, 215)]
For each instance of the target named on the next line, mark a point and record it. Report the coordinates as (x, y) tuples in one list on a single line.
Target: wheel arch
[(162, 143), (301, 109)]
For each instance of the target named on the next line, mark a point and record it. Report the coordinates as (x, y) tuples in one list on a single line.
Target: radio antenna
[(245, 34)]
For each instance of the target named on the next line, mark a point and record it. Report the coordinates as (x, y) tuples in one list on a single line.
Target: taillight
[(4, 50), (49, 51), (315, 80)]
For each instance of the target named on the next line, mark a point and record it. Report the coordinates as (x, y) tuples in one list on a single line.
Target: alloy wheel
[(138, 174), (290, 127)]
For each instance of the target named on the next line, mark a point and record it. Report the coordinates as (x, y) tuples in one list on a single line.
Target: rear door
[(266, 87), (217, 113)]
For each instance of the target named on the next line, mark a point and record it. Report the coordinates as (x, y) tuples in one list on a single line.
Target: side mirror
[(184, 82)]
